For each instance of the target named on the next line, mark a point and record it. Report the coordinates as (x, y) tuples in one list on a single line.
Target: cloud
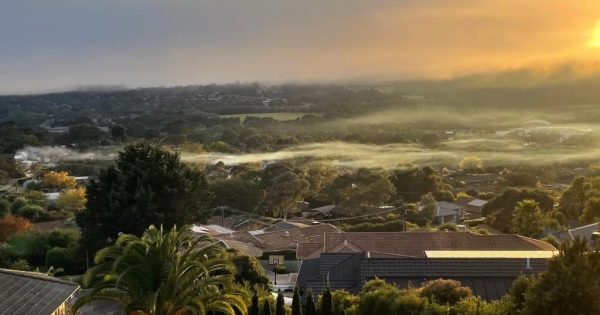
[(151, 42)]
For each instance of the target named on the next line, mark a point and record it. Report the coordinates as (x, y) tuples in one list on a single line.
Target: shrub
[(390, 226), (10, 225), (482, 231), (4, 208), (448, 227), (67, 238), (18, 204), (444, 291), (31, 212), (280, 269), (59, 257), (474, 222)]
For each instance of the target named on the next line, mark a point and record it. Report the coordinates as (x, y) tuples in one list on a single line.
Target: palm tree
[(164, 273)]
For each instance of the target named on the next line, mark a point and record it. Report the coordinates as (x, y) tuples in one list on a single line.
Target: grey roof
[(447, 208), (324, 209), (489, 278), (477, 203), (32, 293), (585, 231)]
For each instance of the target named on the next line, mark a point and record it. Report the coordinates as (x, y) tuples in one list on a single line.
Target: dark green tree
[(280, 306), (296, 303), (266, 309), (326, 302), (310, 308), (145, 186), (499, 211), (254, 307), (237, 193), (571, 285), (248, 269), (366, 187), (288, 188)]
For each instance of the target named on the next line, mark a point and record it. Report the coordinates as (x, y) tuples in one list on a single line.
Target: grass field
[(277, 116)]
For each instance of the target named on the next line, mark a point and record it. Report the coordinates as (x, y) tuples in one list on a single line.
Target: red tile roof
[(415, 244)]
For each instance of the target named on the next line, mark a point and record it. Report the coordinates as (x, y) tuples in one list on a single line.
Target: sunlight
[(595, 39)]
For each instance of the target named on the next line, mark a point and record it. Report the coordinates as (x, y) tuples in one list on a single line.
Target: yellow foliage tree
[(471, 163), (72, 199), (58, 180)]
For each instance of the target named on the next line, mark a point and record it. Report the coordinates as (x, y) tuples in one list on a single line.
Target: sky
[(63, 44)]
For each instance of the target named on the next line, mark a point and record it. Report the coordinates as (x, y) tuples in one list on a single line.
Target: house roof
[(32, 293), (284, 225), (324, 209), (414, 244), (447, 208), (210, 229), (478, 203), (488, 278), (245, 248), (585, 231), (282, 240)]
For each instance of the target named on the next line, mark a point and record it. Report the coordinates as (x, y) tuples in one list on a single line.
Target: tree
[(444, 291), (472, 164), (573, 200), (237, 193), (429, 208), (145, 186), (58, 180), (412, 182), (72, 199), (118, 133), (571, 285), (266, 309), (162, 272), (353, 192), (528, 219), (254, 307), (296, 303), (59, 257), (287, 189), (310, 308), (499, 211), (10, 225), (326, 302), (248, 269), (319, 177), (343, 300), (280, 305), (591, 211)]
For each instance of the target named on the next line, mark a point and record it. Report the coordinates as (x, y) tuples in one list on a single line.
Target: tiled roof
[(414, 244), (283, 240), (288, 240), (32, 293), (309, 250), (285, 225), (488, 278)]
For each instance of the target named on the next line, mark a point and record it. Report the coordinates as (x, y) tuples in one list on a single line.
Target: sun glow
[(595, 39)]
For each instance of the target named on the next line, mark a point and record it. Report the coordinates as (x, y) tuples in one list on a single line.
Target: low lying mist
[(492, 151)]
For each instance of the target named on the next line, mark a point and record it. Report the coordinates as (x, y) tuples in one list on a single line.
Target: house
[(282, 240), (284, 226), (24, 292), (472, 207), (488, 264), (448, 212), (590, 232), (324, 210)]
